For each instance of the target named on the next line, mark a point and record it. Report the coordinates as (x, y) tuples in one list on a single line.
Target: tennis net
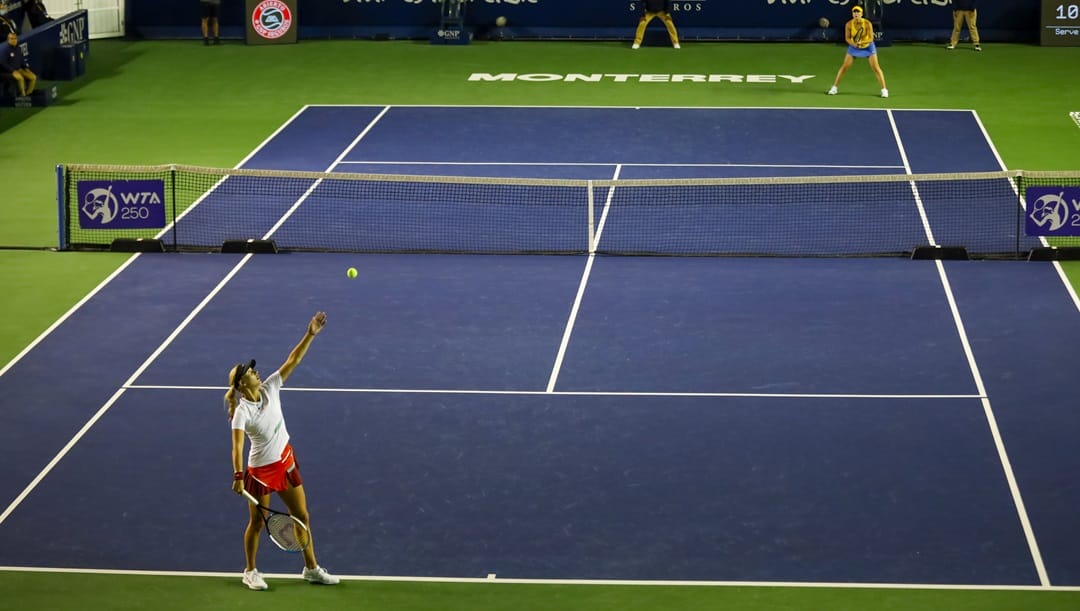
[(192, 208)]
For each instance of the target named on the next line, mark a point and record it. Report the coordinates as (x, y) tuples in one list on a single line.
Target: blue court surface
[(714, 419)]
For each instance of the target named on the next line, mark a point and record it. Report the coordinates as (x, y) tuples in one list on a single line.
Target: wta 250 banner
[(1053, 211), (121, 204), (270, 22)]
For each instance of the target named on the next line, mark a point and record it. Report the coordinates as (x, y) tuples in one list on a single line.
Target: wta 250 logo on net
[(121, 204), (1053, 211)]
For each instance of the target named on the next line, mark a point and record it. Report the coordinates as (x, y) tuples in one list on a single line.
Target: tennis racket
[(860, 35), (286, 531)]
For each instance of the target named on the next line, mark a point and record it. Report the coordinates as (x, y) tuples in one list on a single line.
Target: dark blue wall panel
[(1003, 20)]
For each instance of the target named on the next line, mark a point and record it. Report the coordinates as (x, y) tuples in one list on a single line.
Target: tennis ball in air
[(351, 272), (500, 21), (823, 22)]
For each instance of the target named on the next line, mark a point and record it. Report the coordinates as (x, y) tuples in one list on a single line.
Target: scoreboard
[(1059, 23)]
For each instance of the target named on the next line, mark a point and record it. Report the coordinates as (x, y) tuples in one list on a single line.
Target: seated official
[(14, 65)]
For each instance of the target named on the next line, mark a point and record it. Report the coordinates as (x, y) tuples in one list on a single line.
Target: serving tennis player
[(254, 407), (859, 34)]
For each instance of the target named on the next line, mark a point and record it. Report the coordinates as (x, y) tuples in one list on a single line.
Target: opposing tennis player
[(859, 34), (254, 407)]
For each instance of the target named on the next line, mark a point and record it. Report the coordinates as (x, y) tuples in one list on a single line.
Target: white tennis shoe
[(319, 575), (254, 580), (832, 90), (884, 93)]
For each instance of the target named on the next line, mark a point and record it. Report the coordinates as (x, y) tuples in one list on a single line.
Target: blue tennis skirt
[(857, 52)]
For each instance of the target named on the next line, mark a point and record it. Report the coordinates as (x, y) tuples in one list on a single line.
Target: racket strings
[(287, 533)]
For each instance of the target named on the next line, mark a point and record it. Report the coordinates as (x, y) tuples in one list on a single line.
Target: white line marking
[(625, 165), (112, 400), (991, 420), (557, 367), (914, 188), (572, 106), (1069, 289), (598, 582), (315, 185), (68, 314), (571, 393)]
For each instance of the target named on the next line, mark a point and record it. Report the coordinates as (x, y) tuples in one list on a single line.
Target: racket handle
[(248, 496)]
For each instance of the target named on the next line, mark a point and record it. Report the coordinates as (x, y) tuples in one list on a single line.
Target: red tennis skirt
[(275, 477)]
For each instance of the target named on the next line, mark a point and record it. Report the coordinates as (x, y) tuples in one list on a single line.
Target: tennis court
[(717, 419)]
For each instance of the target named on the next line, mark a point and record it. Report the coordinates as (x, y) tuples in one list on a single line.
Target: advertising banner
[(270, 22), (1053, 211), (121, 204)]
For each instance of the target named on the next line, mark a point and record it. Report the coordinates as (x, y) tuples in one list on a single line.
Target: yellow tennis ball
[(500, 21), (351, 272)]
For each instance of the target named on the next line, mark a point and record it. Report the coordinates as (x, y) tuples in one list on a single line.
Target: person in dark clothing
[(653, 10), (36, 13), (6, 27), (210, 13), (14, 65), (964, 13)]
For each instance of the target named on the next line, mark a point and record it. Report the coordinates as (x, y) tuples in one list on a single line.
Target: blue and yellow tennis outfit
[(860, 32)]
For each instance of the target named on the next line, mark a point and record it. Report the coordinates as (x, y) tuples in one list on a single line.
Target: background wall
[(1000, 20)]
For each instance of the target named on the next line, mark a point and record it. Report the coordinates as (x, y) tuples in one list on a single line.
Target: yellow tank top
[(861, 32)]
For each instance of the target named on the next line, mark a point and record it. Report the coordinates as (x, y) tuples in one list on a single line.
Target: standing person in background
[(210, 11), (654, 9), (859, 34), (14, 65), (964, 12)]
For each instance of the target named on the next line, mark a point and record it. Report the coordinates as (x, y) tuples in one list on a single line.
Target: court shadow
[(105, 60)]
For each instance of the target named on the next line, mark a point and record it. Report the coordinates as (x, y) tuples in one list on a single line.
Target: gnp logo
[(123, 204), (271, 19), (73, 31)]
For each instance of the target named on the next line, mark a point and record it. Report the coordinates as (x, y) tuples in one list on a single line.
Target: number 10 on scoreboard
[(1060, 24)]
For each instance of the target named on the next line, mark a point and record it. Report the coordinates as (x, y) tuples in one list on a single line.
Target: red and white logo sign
[(271, 19)]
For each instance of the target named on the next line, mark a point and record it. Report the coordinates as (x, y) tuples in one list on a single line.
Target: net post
[(1017, 186), (1021, 211), (61, 208), (172, 188), (592, 224)]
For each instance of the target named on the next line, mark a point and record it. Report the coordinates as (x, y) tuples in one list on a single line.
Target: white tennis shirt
[(263, 422)]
